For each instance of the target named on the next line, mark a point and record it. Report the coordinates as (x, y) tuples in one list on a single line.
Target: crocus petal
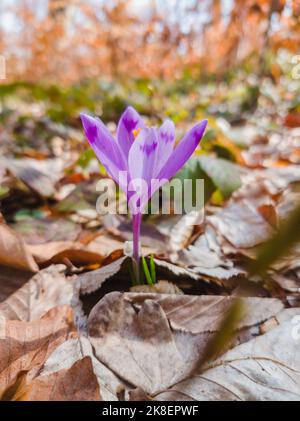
[(129, 121), (183, 151), (104, 146), (142, 155), (166, 139), (142, 158)]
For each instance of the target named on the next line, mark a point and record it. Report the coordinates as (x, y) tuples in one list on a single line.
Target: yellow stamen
[(136, 132)]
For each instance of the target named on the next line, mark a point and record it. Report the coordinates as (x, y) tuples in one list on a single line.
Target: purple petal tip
[(199, 130), (90, 127), (130, 119)]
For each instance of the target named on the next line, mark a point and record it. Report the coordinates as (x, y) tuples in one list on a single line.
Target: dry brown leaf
[(181, 232), (78, 383), (38, 175), (220, 274), (152, 341), (175, 270), (263, 369), (57, 251), (47, 289), (288, 282), (105, 245), (10, 280), (292, 120), (91, 281), (186, 278), (65, 355), (200, 256), (241, 224), (25, 346), (46, 230), (200, 259), (14, 252), (269, 213), (197, 314)]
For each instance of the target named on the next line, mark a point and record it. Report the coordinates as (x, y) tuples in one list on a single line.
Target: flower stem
[(136, 228)]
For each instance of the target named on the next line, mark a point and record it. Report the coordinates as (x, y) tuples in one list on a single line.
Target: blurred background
[(88, 52), (67, 41), (235, 62)]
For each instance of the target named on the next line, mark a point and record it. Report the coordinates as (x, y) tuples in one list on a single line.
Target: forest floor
[(211, 328)]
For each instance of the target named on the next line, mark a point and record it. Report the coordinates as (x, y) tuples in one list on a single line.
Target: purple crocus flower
[(141, 153)]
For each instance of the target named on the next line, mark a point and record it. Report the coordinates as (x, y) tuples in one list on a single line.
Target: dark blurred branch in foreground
[(280, 244), (223, 338)]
